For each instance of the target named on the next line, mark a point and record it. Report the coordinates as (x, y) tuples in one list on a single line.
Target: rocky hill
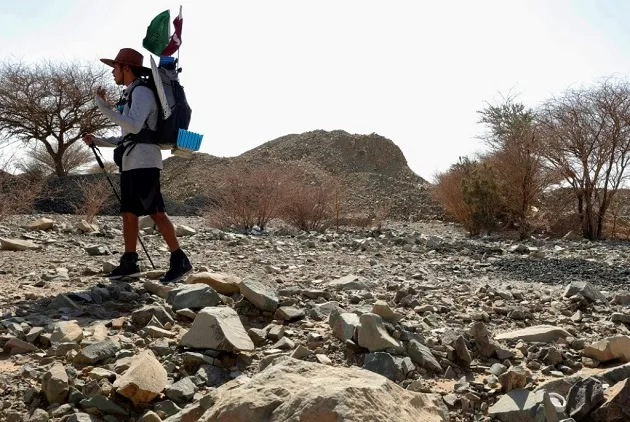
[(373, 167)]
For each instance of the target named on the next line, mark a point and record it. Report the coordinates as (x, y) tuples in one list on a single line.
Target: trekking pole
[(101, 165)]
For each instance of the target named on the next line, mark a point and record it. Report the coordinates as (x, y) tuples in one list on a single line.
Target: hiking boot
[(128, 267), (179, 268)]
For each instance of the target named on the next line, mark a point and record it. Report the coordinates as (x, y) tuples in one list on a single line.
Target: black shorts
[(140, 192)]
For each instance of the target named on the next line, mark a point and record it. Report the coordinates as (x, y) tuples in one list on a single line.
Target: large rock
[(421, 355), (382, 308), (144, 380), (524, 406), (41, 224), (17, 245), (343, 325), (226, 284), (535, 334), (259, 293), (586, 289), (97, 352), (584, 396), (294, 390), (55, 384), (373, 335), (141, 317), (617, 405), (612, 348), (484, 344), (15, 346), (218, 329), (192, 296), (66, 332)]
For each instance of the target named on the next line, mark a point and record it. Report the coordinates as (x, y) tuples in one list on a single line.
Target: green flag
[(157, 37)]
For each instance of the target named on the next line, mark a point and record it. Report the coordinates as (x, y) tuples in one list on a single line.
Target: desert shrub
[(247, 196), (480, 191), (308, 208), (95, 195), (469, 194), (17, 192)]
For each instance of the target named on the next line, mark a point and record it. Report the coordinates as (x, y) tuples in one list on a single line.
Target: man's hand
[(100, 92), (88, 139)]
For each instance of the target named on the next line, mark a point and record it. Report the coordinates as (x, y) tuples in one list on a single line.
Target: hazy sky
[(413, 71)]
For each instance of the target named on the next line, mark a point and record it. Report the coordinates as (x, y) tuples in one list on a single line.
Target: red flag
[(176, 39)]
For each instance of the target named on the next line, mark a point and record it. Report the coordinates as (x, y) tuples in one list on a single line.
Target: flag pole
[(180, 42)]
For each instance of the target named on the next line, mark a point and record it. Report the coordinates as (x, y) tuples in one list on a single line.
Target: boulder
[(192, 296), (524, 406), (294, 390), (535, 334), (372, 334), (584, 396), (612, 348), (144, 380), (97, 352), (343, 325), (617, 405), (55, 384), (259, 293), (41, 224), (218, 329), (226, 284), (17, 245), (66, 332), (422, 356), (586, 289)]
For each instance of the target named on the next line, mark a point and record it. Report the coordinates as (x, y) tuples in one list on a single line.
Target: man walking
[(141, 165)]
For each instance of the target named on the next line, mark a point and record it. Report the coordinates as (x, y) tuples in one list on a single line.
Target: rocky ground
[(415, 322)]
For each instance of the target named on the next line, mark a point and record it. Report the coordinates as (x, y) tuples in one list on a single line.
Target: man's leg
[(167, 229), (130, 231), (180, 265), (129, 260)]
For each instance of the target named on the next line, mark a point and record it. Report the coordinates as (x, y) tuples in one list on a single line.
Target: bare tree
[(51, 104), (38, 160), (587, 140), (516, 157)]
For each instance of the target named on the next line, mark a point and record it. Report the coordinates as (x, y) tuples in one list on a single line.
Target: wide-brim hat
[(127, 56)]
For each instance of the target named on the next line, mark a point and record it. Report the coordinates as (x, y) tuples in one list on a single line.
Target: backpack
[(178, 113)]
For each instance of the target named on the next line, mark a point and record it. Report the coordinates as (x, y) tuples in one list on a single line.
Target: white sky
[(415, 72)]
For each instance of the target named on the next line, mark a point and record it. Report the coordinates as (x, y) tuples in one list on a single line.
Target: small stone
[(39, 415), (289, 313)]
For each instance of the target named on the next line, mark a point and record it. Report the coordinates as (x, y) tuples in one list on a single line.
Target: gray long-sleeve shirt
[(143, 110)]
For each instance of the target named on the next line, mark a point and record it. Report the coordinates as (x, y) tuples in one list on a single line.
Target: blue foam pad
[(189, 140)]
